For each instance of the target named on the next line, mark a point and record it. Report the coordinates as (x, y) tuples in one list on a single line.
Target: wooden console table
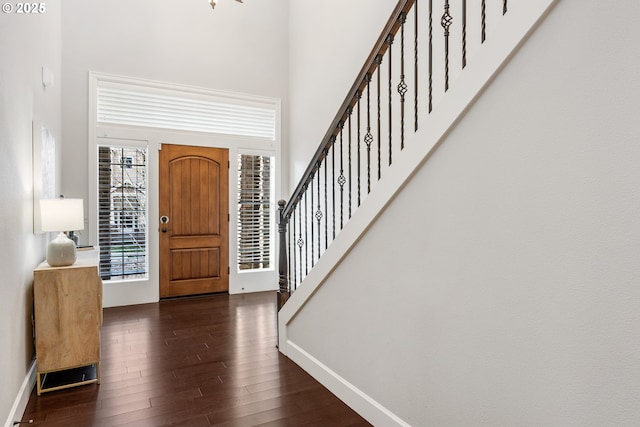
[(68, 317)]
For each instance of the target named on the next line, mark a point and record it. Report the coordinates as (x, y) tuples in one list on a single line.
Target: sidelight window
[(122, 212), (255, 212)]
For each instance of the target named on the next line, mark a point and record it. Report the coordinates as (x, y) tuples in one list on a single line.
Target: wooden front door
[(194, 220)]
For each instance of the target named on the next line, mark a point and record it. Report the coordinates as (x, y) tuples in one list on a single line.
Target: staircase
[(430, 63)]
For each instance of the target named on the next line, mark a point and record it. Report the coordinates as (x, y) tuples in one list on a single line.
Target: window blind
[(122, 212), (254, 212), (176, 110)]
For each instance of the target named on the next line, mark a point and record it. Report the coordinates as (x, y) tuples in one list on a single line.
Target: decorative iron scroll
[(402, 86), (446, 22)]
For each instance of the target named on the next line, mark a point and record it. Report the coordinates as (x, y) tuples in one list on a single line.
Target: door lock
[(164, 219)]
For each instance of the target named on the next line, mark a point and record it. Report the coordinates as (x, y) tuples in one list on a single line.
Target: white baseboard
[(355, 398), (20, 404)]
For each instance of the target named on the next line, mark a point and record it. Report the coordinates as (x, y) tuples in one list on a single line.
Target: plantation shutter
[(134, 106), (122, 212), (254, 212)]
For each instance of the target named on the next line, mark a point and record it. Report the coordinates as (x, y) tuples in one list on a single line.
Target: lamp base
[(61, 251)]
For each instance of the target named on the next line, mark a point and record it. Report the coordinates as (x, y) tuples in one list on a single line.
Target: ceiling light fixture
[(213, 3)]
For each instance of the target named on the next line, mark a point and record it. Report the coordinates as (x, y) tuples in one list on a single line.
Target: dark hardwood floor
[(208, 361)]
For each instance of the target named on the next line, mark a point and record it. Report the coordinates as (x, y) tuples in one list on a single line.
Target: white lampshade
[(61, 215)]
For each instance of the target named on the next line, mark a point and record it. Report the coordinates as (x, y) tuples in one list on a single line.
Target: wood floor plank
[(207, 361)]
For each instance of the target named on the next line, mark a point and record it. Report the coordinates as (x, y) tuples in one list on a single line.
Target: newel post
[(283, 280)]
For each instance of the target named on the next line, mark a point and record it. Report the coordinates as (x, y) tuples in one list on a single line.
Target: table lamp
[(60, 215)]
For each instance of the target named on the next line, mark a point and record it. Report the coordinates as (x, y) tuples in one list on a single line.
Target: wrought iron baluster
[(390, 43), (464, 33), (446, 23), (379, 62), (350, 110), (326, 203), (300, 239), (483, 18), (415, 66), (319, 213), (333, 184), (288, 232), (368, 137), (358, 96), (292, 233), (310, 188), (341, 179), (402, 86), (430, 56), (306, 234)]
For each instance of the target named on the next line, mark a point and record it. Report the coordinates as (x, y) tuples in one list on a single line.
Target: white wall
[(236, 47), (510, 296), (27, 42), (330, 40)]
